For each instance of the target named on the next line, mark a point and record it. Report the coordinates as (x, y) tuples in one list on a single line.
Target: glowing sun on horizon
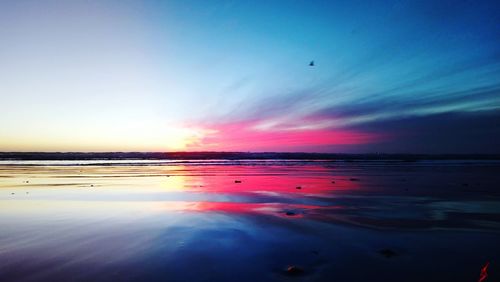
[(184, 138)]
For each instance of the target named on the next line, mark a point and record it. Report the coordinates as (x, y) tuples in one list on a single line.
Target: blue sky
[(389, 76)]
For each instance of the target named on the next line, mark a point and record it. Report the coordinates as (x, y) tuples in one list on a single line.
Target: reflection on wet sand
[(248, 221)]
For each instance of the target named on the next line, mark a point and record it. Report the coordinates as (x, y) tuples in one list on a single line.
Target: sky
[(388, 76)]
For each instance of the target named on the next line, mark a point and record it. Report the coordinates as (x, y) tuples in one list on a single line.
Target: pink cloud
[(250, 136)]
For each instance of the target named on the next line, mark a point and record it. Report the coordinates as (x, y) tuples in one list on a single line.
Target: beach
[(249, 220)]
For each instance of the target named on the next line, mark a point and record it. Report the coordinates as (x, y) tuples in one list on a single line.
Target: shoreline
[(20, 156)]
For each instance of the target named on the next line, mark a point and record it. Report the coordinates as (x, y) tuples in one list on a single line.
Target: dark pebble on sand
[(388, 253), (294, 270), (237, 181), (12, 193)]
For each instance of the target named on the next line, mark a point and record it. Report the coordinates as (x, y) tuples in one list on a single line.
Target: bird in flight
[(311, 64)]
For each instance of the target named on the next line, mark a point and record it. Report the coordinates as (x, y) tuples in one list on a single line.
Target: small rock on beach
[(294, 270)]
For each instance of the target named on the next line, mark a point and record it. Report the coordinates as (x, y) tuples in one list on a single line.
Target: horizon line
[(207, 155)]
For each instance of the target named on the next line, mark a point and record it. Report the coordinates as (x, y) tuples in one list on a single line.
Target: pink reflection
[(312, 180), (282, 190), (269, 190), (275, 209)]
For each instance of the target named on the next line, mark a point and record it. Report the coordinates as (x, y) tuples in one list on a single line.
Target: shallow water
[(190, 220)]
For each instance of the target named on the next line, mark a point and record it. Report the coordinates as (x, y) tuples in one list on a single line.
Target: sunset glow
[(240, 136), (176, 76)]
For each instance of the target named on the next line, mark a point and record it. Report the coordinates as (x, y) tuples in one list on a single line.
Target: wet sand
[(249, 220)]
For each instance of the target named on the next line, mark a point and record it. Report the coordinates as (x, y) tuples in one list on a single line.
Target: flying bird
[(311, 64)]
